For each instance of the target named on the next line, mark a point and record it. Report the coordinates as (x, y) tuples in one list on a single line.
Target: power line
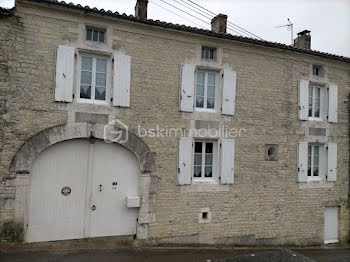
[(202, 7), (206, 13), (200, 13), (185, 12), (268, 57), (194, 10), (245, 30), (272, 59), (228, 21), (176, 14)]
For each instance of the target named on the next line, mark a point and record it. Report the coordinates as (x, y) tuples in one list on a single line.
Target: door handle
[(93, 207), (100, 188)]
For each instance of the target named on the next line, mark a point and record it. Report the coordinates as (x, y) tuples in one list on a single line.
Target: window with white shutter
[(303, 99), (313, 101), (317, 161), (227, 161), (333, 104), (185, 161), (121, 80), (64, 73), (302, 161), (187, 88), (332, 162), (229, 92)]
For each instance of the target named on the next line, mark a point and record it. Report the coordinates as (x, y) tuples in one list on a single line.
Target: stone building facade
[(259, 185)]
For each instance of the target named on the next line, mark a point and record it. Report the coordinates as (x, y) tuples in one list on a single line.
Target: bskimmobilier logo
[(116, 132)]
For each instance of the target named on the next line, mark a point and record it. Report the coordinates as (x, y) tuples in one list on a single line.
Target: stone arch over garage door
[(22, 162), (27, 153)]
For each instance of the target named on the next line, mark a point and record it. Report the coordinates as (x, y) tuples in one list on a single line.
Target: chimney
[(219, 23), (303, 40), (141, 9)]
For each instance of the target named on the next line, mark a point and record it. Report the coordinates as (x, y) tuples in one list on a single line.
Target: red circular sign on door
[(66, 191)]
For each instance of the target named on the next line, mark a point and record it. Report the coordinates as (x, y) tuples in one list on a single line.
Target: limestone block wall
[(265, 205)]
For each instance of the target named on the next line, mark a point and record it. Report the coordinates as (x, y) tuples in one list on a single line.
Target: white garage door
[(79, 190)]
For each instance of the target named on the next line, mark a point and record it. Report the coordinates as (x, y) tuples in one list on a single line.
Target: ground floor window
[(204, 159), (313, 160)]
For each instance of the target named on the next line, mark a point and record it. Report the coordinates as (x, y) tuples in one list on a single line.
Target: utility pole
[(289, 26)]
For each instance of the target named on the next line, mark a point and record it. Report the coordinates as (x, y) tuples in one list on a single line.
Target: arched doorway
[(40, 154), (79, 188)]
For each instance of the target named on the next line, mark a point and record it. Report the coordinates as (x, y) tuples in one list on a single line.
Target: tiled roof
[(195, 30)]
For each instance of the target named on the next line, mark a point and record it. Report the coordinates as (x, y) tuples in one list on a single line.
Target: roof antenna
[(289, 27)]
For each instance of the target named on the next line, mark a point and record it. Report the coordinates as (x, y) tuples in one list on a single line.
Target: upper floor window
[(204, 159), (93, 78), (315, 101), (318, 101), (206, 89), (317, 70), (208, 53), (95, 34)]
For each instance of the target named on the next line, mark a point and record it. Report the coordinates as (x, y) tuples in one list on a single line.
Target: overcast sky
[(328, 20)]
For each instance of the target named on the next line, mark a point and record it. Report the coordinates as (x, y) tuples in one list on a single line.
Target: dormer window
[(96, 34), (318, 70), (209, 53)]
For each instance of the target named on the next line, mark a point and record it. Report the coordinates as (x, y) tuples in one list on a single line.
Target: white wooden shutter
[(333, 103), (121, 80), (185, 161), (229, 92), (227, 161), (303, 100), (332, 162), (187, 88), (302, 161), (64, 73)]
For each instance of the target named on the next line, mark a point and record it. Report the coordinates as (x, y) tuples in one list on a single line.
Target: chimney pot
[(141, 9), (219, 23), (303, 40)]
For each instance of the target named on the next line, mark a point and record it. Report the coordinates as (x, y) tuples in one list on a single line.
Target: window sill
[(316, 183), (206, 186), (315, 179), (92, 102), (204, 110), (316, 119)]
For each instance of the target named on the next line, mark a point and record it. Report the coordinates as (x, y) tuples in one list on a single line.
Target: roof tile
[(199, 30)]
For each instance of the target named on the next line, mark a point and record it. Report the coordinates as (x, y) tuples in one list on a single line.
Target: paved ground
[(180, 255)]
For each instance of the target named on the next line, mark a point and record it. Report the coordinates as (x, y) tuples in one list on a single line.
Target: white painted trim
[(107, 101), (217, 91), (215, 161)]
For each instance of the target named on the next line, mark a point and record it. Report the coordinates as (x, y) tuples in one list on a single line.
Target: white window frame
[(208, 49), (93, 80), (323, 103), (215, 161), (98, 30), (322, 162), (216, 100)]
